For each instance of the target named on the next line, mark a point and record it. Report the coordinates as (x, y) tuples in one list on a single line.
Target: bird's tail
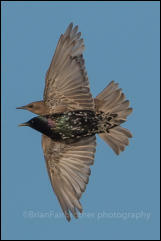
[(112, 102)]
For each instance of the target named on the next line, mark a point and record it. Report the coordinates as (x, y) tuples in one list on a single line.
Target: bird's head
[(37, 107), (38, 123), (31, 123)]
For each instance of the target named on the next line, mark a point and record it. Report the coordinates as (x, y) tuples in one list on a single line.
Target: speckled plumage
[(70, 126), (69, 118)]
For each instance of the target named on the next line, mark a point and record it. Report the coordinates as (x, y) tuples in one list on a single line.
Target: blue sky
[(122, 44)]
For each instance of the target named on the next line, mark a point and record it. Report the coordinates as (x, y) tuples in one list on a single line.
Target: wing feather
[(67, 85), (69, 171)]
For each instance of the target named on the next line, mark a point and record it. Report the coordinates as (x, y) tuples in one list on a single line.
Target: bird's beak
[(23, 124), (22, 107)]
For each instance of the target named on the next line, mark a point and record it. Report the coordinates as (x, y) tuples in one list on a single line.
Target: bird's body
[(69, 119), (71, 126)]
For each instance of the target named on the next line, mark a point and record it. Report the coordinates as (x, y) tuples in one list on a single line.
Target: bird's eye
[(30, 106)]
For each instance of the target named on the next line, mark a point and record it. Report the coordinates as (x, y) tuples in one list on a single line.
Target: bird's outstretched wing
[(66, 85), (68, 169)]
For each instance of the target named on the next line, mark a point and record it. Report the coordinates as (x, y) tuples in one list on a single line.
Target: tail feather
[(121, 106), (111, 99), (123, 131), (124, 113), (112, 102), (120, 137), (110, 88), (113, 144)]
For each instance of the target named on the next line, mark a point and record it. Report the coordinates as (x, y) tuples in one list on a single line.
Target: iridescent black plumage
[(71, 126)]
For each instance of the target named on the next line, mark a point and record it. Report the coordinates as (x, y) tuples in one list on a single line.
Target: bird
[(69, 118)]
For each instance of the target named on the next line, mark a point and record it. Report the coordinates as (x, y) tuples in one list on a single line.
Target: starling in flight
[(69, 118)]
